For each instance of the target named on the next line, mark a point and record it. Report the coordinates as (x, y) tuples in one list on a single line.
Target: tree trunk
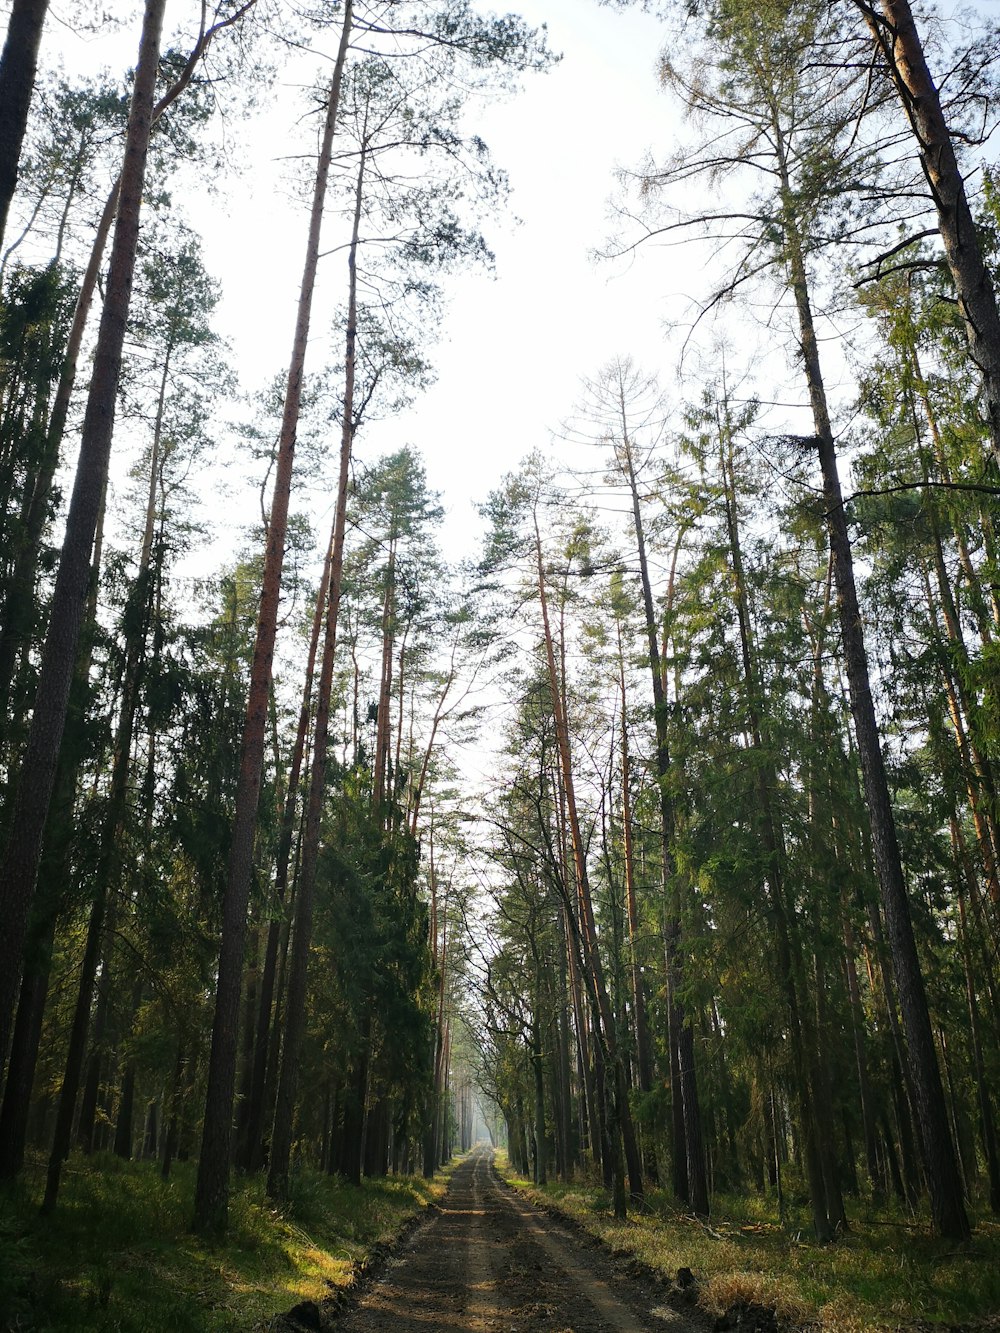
[(212, 1189), (644, 1057), (73, 579), (253, 1146), (987, 1120), (54, 876), (126, 1114), (790, 968), (173, 1123), (963, 711), (440, 956), (17, 79), (947, 1206), (75, 1053), (113, 830), (899, 41), (868, 1121), (24, 1055), (95, 1066), (380, 764), (281, 1138), (689, 1179), (623, 1132), (538, 1078), (17, 620)]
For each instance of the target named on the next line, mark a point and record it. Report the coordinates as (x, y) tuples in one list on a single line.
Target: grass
[(118, 1254), (887, 1273)]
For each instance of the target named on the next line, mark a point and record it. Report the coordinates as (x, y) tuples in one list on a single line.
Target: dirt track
[(490, 1261)]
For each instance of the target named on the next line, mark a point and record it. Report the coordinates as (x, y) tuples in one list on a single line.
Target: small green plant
[(118, 1252)]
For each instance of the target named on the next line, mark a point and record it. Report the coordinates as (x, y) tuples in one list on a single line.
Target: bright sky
[(519, 344), (515, 345)]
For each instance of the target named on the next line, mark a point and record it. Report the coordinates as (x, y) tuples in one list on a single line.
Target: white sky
[(514, 346), (519, 344)]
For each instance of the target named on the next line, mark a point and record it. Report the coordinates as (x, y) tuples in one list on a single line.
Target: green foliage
[(886, 1274), (371, 936), (118, 1252)]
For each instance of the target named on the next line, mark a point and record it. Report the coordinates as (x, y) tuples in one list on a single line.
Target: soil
[(488, 1260)]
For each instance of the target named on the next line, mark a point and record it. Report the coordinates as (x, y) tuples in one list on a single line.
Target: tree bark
[(947, 1205), (108, 869), (644, 1059), (22, 583), (55, 876), (72, 582), (987, 1120), (281, 1138), (75, 1054), (17, 79), (789, 959), (875, 1175), (212, 1189), (253, 1146), (689, 1177), (897, 37), (623, 1132)]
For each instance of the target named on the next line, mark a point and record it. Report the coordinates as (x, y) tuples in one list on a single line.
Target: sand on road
[(489, 1260)]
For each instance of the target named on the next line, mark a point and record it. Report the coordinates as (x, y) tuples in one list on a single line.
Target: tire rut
[(490, 1262)]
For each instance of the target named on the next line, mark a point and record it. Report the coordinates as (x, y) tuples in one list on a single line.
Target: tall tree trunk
[(588, 1132), (17, 625), (987, 1119), (111, 844), (295, 1009), (55, 876), (947, 1205), (72, 582), (963, 711), (900, 1076), (868, 1115), (253, 1146), (563, 1079), (643, 1048), (977, 596), (897, 37), (17, 79), (126, 1113), (176, 1110), (95, 1067), (688, 1157), (75, 1053), (538, 1079), (380, 764), (212, 1189), (623, 1131), (439, 917), (791, 972)]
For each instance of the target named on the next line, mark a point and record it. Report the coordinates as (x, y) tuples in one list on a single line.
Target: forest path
[(490, 1261)]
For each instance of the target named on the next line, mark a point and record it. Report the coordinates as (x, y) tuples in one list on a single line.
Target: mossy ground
[(118, 1252), (887, 1273)]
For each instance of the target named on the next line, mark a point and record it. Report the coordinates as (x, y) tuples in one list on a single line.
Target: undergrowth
[(887, 1273), (118, 1252)]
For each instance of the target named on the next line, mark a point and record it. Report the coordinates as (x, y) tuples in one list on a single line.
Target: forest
[(656, 837)]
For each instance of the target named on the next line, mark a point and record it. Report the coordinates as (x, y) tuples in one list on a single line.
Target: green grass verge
[(885, 1274), (118, 1253)]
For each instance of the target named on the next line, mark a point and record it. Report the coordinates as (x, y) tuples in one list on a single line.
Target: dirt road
[(490, 1261)]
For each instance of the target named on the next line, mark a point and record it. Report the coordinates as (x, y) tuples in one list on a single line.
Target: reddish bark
[(212, 1190)]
